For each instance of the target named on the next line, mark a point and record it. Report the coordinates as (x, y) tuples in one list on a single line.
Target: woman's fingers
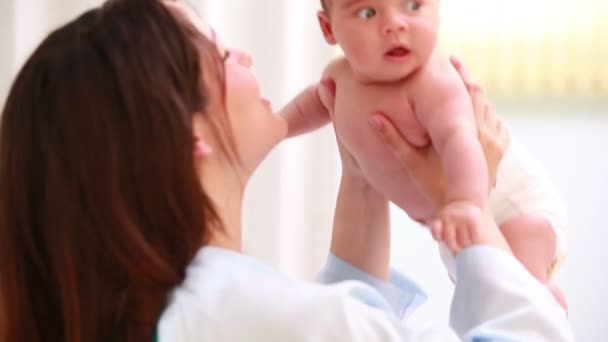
[(476, 92), (449, 236), (329, 85), (487, 120), (493, 135), (466, 77), (478, 99), (327, 92), (462, 234), (492, 131), (436, 228), (423, 164), (395, 141), (503, 135)]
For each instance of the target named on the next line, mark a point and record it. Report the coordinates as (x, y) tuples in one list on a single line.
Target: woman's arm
[(361, 231)]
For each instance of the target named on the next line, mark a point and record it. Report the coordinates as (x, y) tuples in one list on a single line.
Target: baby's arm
[(305, 112), (312, 108), (443, 106)]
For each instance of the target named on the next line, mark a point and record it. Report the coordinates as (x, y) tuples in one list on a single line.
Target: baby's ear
[(325, 24)]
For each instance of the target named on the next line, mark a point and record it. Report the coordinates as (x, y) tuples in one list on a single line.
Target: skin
[(437, 111), (424, 166), (424, 163), (255, 128), (361, 230), (461, 224), (366, 29), (373, 77), (226, 187)]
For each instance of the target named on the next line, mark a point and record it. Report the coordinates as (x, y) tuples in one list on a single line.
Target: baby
[(391, 65)]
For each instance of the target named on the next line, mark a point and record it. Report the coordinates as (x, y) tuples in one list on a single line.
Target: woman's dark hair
[(101, 209)]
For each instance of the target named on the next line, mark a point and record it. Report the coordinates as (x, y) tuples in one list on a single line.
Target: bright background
[(542, 62)]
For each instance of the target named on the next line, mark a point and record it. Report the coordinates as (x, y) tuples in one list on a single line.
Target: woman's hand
[(350, 167), (492, 134), (424, 165)]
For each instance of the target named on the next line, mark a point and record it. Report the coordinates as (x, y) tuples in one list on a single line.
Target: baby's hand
[(462, 224)]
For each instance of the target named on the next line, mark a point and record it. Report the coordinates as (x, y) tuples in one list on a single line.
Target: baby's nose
[(395, 24)]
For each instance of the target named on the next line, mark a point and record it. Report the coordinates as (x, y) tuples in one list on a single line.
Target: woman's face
[(256, 129)]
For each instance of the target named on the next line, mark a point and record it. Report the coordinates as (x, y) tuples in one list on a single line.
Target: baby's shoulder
[(438, 76), (337, 68), (439, 69)]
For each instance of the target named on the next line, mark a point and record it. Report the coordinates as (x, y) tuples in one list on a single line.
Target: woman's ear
[(325, 24), (202, 149)]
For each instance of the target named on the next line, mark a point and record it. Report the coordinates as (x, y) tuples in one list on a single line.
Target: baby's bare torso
[(354, 104)]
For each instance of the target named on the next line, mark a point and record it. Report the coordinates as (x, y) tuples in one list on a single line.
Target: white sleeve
[(495, 299), (496, 294), (400, 292)]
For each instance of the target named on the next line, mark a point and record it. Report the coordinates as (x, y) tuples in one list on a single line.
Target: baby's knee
[(530, 226), (533, 240)]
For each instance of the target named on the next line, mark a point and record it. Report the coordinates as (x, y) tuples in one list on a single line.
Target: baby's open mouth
[(399, 51)]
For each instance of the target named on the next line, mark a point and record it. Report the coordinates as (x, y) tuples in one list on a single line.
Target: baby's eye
[(366, 13), (413, 5)]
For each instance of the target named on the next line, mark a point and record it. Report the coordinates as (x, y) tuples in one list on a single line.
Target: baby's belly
[(381, 168)]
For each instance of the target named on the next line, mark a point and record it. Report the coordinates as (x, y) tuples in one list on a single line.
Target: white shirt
[(227, 296)]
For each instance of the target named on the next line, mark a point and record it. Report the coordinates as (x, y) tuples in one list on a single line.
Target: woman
[(126, 143)]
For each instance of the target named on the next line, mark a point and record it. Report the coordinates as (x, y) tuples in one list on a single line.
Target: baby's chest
[(356, 104)]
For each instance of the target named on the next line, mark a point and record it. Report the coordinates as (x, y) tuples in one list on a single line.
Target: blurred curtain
[(24, 24), (533, 48)]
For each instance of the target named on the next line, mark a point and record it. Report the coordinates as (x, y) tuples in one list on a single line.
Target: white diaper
[(522, 187)]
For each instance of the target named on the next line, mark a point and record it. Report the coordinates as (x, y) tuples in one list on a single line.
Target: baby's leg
[(528, 208), (533, 242)]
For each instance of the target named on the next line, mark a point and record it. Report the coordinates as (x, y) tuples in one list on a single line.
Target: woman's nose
[(243, 58)]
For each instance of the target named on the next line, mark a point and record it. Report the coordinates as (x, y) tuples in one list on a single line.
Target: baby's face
[(385, 40)]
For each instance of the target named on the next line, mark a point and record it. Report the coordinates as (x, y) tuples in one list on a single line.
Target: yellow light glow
[(531, 47)]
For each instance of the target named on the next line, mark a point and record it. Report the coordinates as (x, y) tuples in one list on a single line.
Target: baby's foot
[(462, 224)]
